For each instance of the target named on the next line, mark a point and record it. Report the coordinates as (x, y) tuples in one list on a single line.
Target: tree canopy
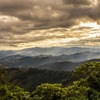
[(87, 87)]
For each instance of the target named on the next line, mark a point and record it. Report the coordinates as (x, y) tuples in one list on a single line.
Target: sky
[(49, 23)]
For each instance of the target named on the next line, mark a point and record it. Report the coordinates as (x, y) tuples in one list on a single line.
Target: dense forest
[(83, 83)]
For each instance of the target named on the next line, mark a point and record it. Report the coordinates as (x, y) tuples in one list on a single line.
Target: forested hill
[(30, 78), (83, 83)]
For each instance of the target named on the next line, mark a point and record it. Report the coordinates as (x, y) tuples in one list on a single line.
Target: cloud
[(15, 5), (78, 2), (34, 14), (52, 37), (86, 42), (35, 11), (22, 21)]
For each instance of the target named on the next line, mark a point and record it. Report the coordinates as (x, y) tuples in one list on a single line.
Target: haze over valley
[(55, 58), (49, 49), (31, 37)]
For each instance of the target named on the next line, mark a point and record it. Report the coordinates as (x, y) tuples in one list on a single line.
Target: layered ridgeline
[(83, 83), (55, 58), (53, 51), (50, 74)]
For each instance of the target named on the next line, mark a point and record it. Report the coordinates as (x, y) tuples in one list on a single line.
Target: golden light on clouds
[(8, 19), (93, 25), (94, 2), (36, 23), (87, 35)]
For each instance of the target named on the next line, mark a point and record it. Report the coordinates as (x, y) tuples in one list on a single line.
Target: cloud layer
[(29, 21)]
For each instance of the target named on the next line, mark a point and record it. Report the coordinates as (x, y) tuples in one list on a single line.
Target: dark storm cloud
[(14, 5), (34, 14), (77, 2)]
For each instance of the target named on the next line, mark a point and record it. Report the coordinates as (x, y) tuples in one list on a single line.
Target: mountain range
[(53, 51), (63, 62)]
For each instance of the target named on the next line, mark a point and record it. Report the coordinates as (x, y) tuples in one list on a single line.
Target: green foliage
[(2, 75), (13, 93), (87, 68), (50, 92), (91, 74), (30, 78), (91, 71), (87, 87)]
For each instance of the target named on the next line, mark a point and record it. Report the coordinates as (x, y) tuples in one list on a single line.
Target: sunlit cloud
[(47, 23), (93, 25)]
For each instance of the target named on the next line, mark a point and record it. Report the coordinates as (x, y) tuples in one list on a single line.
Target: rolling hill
[(53, 51), (57, 63)]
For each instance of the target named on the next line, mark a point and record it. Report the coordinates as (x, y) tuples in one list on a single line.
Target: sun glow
[(95, 2), (90, 25)]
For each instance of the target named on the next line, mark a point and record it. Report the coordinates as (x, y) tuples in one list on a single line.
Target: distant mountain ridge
[(57, 63), (77, 57), (53, 51), (83, 56), (5, 53), (60, 66)]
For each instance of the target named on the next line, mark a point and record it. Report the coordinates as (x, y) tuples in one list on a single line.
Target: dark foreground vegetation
[(33, 84)]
